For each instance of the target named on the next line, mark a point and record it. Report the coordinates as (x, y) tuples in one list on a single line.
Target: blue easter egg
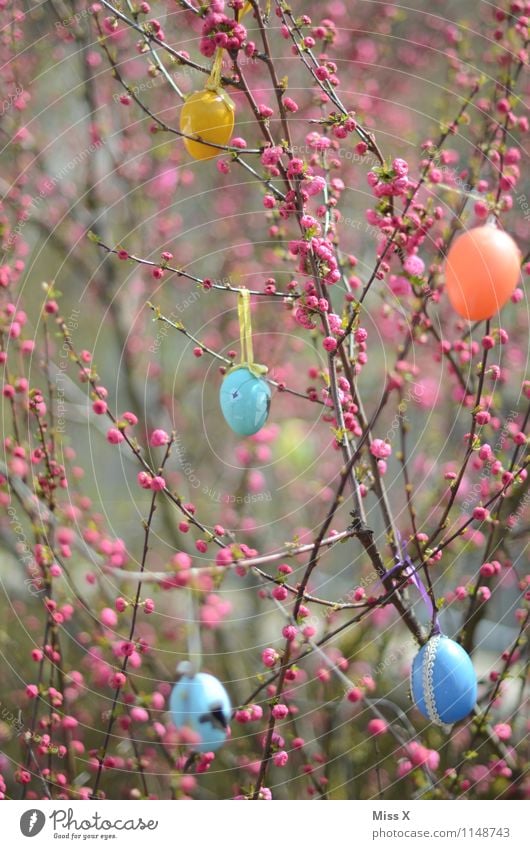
[(443, 681), (245, 401), (201, 703)]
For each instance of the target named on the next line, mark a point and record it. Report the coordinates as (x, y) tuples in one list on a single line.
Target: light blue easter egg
[(201, 703), (443, 681), (245, 401)]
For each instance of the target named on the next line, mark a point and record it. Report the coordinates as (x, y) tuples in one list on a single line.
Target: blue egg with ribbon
[(201, 703), (245, 400), (443, 681)]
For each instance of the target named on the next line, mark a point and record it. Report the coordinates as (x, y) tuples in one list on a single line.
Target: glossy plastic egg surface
[(210, 115), (482, 270), (245, 401), (201, 703), (443, 681)]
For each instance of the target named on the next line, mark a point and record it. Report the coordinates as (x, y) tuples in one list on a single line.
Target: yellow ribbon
[(245, 327), (214, 80), (248, 7), (245, 335)]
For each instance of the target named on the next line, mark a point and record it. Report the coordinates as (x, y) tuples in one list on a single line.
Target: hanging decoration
[(208, 114), (245, 396), (443, 681), (200, 702), (482, 270)]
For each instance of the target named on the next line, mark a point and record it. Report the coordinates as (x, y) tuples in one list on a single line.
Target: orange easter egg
[(481, 272)]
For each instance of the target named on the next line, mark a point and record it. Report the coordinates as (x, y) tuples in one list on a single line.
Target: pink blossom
[(130, 418), (158, 483), (269, 657), (354, 695), (117, 680), (400, 167), (139, 714), (114, 436), (289, 632), (158, 438), (108, 617), (224, 557), (377, 727), (314, 185), (503, 731), (280, 593), (414, 266), (271, 155), (484, 593), (380, 449)]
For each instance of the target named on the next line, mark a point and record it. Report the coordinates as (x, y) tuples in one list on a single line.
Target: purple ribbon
[(411, 572)]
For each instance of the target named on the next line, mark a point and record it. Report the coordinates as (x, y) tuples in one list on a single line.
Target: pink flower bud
[(376, 727), (354, 695), (224, 557), (139, 714), (269, 657), (289, 632), (158, 438), (503, 731), (114, 436), (158, 483), (108, 617)]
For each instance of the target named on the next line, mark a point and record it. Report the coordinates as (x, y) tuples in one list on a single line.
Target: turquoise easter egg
[(245, 401), (443, 681), (200, 702)]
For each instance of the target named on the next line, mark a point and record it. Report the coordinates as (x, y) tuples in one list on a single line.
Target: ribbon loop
[(214, 80), (409, 571), (245, 327)]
